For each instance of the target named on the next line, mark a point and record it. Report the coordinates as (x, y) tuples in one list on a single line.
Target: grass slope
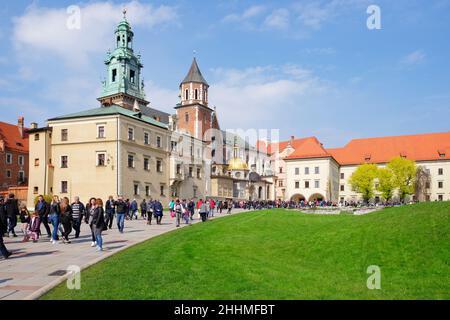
[(282, 254)]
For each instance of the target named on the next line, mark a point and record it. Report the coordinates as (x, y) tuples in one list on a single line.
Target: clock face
[(237, 174)]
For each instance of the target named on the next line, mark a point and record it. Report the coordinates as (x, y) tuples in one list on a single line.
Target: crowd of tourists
[(62, 220)]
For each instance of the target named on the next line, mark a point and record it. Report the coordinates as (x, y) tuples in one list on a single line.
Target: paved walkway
[(34, 268)]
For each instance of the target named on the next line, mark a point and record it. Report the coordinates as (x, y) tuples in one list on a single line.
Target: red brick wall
[(6, 182)]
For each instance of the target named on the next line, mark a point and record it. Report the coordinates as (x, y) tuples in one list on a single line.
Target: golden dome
[(237, 164)]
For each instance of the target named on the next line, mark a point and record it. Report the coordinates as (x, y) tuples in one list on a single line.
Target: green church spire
[(123, 84)]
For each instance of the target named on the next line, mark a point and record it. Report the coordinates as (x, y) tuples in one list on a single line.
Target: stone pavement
[(35, 268)]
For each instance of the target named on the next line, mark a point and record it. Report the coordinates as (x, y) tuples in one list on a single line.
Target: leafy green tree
[(404, 175), (362, 180), (386, 183)]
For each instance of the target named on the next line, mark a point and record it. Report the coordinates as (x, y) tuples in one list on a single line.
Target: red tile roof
[(280, 146), (10, 134), (419, 147), (310, 148)]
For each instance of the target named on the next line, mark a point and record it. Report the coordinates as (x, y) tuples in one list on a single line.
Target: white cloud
[(278, 19), (44, 30), (249, 13), (414, 58)]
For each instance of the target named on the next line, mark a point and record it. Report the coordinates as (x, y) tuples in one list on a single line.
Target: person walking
[(54, 215), (207, 205), (191, 208), (149, 211), (143, 209), (203, 211), (98, 223), (186, 212), (158, 211), (66, 219), (12, 211), (133, 209), (121, 209), (178, 211), (198, 205), (3, 228), (90, 208), (78, 211), (229, 206), (25, 218), (212, 206), (3, 217), (110, 211), (43, 208)]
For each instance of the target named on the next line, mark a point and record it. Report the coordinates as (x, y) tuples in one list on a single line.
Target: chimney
[(292, 138), (34, 125), (20, 125)]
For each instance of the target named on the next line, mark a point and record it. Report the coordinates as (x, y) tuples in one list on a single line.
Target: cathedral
[(125, 147)]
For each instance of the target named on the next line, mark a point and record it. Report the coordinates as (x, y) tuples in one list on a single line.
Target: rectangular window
[(161, 190), (8, 173), (146, 164), (136, 189), (297, 185), (130, 161), (342, 187), (35, 190), (64, 134), (114, 75), (64, 161), (342, 175), (440, 184), (147, 191), (36, 162), (36, 137), (440, 171), (130, 134), (178, 168), (63, 186), (9, 158), (186, 115), (101, 132), (101, 159), (198, 173), (316, 170), (173, 145), (132, 76), (306, 170), (441, 197), (158, 166), (191, 170), (280, 183), (306, 184), (21, 160), (427, 185), (158, 141), (281, 169), (146, 138), (317, 184), (21, 176), (297, 171)]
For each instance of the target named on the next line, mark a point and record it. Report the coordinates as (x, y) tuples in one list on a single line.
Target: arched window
[(186, 94), (186, 117), (196, 94)]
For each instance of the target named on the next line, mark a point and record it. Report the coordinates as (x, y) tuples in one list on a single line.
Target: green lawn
[(282, 254)]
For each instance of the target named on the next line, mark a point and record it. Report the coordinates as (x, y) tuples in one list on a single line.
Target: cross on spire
[(124, 11)]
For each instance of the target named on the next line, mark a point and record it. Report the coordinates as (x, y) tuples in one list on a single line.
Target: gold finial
[(124, 11)]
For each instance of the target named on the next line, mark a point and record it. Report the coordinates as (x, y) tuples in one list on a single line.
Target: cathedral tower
[(123, 85), (194, 115)]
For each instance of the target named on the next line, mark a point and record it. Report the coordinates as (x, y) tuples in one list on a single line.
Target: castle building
[(124, 147), (13, 155)]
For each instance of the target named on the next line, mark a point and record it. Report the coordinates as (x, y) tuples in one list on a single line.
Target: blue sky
[(308, 67)]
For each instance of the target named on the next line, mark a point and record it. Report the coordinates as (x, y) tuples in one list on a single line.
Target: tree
[(404, 175), (386, 183), (423, 180), (362, 180)]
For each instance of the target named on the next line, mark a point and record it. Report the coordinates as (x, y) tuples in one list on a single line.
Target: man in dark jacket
[(78, 211), (12, 211), (121, 209), (42, 208), (110, 211), (5, 253)]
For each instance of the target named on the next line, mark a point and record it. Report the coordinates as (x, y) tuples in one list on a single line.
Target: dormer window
[(441, 153), (403, 155), (367, 157)]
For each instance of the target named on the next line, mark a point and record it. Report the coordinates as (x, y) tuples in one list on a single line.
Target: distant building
[(13, 155)]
